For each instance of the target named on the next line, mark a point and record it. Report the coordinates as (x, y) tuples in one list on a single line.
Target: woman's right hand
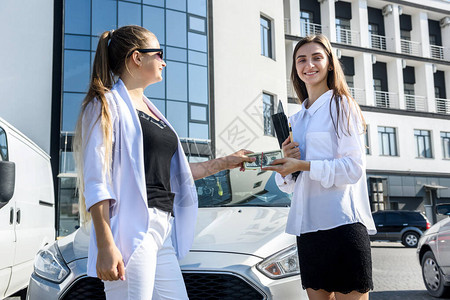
[(110, 264), (290, 149)]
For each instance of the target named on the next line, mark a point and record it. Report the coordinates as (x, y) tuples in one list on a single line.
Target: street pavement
[(397, 273)]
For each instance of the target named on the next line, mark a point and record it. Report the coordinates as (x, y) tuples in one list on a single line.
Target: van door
[(34, 208), (7, 227)]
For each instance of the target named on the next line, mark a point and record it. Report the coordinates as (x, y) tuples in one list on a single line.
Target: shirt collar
[(318, 103)]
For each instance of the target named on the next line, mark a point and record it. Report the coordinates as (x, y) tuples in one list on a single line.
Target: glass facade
[(182, 96)]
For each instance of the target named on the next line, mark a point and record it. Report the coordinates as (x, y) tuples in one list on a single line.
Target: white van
[(27, 207)]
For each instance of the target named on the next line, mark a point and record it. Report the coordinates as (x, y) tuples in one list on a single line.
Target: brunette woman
[(330, 212)]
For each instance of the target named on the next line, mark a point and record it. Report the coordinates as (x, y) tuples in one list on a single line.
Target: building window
[(343, 31), (445, 136), (366, 140), (388, 141), (267, 113), (410, 100), (433, 40), (381, 97), (423, 142), (307, 23), (266, 37)]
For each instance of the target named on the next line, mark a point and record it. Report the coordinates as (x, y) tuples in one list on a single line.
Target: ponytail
[(100, 83)]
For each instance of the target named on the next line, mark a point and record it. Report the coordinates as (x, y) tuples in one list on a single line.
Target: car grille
[(200, 286), (86, 288), (211, 286)]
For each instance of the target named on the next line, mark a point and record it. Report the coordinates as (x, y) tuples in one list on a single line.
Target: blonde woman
[(134, 178), (330, 212)]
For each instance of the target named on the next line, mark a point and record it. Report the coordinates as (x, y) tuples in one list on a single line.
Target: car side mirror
[(7, 182), (443, 209)]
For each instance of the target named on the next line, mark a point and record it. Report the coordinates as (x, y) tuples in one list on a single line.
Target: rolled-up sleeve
[(97, 184), (349, 165)]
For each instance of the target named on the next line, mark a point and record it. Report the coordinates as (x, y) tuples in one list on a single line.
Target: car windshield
[(235, 188)]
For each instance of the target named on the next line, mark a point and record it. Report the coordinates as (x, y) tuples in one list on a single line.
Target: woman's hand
[(288, 165), (110, 264), (290, 149), (237, 159), (207, 168)]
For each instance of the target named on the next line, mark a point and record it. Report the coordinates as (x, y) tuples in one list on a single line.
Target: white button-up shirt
[(334, 191)]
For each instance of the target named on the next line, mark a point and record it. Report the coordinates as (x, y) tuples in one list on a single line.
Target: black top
[(160, 144)]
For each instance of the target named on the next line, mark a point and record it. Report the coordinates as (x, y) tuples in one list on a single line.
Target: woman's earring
[(330, 69)]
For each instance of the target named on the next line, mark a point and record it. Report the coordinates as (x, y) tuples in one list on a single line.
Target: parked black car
[(400, 225)]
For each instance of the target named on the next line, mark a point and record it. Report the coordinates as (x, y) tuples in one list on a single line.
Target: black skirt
[(336, 260)]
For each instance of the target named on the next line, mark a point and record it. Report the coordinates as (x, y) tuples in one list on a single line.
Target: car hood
[(257, 231)]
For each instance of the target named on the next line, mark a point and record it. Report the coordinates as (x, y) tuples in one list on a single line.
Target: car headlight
[(50, 265), (281, 264)]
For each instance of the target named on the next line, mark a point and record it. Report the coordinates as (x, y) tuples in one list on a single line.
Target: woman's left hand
[(287, 165), (237, 159)]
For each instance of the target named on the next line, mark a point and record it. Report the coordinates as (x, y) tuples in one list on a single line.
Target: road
[(396, 273)]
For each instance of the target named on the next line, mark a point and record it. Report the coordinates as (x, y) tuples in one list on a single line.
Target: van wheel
[(410, 239), (432, 276)]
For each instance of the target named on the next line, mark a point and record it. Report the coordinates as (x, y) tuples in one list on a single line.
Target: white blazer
[(126, 183)]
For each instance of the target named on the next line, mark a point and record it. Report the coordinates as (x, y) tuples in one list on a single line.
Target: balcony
[(416, 103), (443, 106), (409, 47), (437, 52), (359, 95), (347, 36), (308, 28), (377, 42), (386, 99)]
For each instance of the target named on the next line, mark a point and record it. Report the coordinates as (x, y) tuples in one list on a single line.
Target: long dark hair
[(335, 81), (114, 47)]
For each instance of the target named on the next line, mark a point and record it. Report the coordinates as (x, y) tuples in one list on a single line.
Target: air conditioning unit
[(445, 21), (387, 10)]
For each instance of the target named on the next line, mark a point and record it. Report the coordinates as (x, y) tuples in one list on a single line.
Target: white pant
[(153, 271)]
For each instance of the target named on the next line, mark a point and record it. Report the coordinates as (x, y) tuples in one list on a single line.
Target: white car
[(240, 249)]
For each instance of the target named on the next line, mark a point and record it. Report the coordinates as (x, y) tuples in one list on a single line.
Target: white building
[(396, 58), (228, 64)]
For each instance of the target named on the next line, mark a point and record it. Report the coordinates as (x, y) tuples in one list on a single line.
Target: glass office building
[(181, 27)]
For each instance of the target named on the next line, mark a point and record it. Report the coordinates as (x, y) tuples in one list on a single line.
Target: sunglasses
[(160, 52)]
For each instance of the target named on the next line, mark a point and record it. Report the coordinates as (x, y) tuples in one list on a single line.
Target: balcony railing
[(377, 41), (308, 28), (437, 52), (359, 95), (443, 106), (386, 99), (410, 47), (346, 36), (417, 103)]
